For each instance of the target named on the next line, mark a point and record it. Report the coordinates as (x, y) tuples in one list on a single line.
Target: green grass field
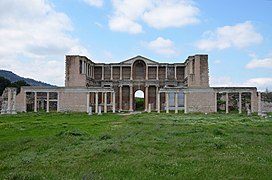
[(142, 146)]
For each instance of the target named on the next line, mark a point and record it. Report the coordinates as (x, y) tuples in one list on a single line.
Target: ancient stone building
[(112, 87)]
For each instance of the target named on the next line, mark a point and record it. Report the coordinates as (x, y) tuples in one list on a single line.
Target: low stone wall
[(201, 102), (73, 101), (266, 106)]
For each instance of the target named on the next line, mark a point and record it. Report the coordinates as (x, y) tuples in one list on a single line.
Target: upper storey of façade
[(81, 71)]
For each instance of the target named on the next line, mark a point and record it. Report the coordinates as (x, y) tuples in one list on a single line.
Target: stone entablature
[(8, 101)]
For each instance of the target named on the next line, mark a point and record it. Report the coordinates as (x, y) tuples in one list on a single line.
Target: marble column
[(83, 67), (35, 101), (227, 103), (121, 73), (105, 102), (47, 102), (9, 101), (88, 70), (96, 102), (13, 110), (130, 98), (158, 102), (157, 75), (252, 101), (131, 72), (240, 102), (167, 101), (157, 91), (259, 103), (185, 103), (120, 98), (146, 72), (176, 102), (88, 102), (146, 97), (113, 102)]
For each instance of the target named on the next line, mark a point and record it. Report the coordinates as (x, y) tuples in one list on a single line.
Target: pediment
[(132, 60)]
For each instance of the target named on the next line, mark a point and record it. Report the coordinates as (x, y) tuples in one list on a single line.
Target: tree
[(18, 85), (267, 96), (6, 83), (3, 84)]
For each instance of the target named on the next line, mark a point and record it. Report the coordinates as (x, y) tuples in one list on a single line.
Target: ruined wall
[(170, 72), (20, 101), (125, 98), (266, 106), (200, 101), (254, 101), (197, 71), (152, 97), (180, 73), (126, 73), (107, 72), (161, 73), (116, 73), (73, 101), (97, 72), (152, 73), (73, 71)]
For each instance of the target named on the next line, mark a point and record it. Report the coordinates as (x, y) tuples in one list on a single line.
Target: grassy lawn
[(142, 146)]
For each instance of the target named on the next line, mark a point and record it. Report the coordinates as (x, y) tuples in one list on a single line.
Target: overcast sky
[(35, 35)]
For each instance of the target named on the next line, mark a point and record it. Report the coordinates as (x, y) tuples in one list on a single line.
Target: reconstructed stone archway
[(138, 100)]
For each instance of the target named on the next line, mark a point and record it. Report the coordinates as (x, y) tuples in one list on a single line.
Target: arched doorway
[(139, 100)]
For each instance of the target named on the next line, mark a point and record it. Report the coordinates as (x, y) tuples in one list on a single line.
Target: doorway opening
[(139, 100)]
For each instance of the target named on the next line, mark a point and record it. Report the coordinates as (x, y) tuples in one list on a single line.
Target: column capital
[(147, 85)]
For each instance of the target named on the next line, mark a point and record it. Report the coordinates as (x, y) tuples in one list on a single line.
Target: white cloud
[(156, 13), (221, 82), (260, 63), (217, 61), (123, 24), (96, 3), (260, 83), (162, 46), (171, 14), (34, 39), (239, 36)]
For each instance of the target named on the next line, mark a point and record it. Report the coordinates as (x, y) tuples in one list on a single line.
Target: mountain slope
[(13, 77)]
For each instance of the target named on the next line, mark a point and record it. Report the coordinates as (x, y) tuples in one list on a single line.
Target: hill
[(14, 77)]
